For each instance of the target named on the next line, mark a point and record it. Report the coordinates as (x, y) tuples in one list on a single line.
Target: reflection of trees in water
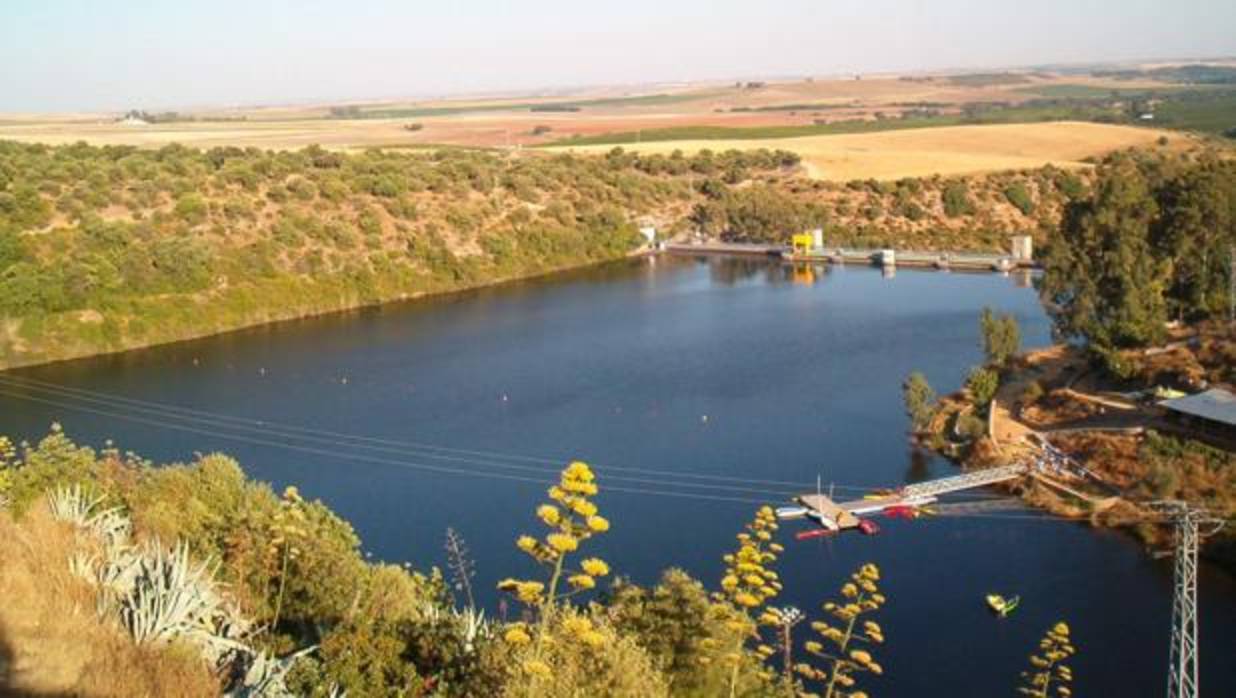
[(731, 270), (919, 467)]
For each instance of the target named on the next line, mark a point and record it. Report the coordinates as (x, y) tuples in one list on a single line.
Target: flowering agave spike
[(571, 518), (836, 646)]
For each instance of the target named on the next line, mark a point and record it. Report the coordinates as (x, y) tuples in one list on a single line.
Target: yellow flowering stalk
[(861, 595), (749, 582), (288, 528), (1049, 676), (571, 518)]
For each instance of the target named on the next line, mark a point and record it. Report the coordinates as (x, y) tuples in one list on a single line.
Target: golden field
[(508, 121), (951, 150)]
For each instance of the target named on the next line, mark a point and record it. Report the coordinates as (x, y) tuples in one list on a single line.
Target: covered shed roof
[(1216, 405)]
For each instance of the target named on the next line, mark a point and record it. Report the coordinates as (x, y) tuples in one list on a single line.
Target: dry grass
[(51, 641), (952, 150)]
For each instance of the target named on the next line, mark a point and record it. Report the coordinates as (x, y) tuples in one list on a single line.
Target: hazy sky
[(91, 54)]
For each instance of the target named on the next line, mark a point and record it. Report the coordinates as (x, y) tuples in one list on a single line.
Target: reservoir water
[(697, 388)]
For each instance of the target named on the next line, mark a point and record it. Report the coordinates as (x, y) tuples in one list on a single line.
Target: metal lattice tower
[(1182, 673)]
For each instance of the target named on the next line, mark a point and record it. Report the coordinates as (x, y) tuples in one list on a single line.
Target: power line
[(214, 425), (163, 411), (373, 459), (378, 444), (462, 471)]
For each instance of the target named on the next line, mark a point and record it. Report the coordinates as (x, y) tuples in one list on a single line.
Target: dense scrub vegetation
[(289, 606), (929, 213), (114, 247), (296, 581)]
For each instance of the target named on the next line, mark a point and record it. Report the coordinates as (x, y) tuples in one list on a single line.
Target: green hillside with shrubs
[(110, 248), (103, 249)]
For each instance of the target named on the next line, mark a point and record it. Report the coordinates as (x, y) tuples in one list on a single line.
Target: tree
[(755, 214), (1103, 281), (1196, 231), (1001, 337), (920, 400), (982, 385)]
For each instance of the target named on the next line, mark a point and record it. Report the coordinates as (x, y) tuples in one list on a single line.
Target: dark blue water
[(722, 368)]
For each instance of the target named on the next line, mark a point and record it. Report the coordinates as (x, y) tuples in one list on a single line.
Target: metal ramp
[(965, 481)]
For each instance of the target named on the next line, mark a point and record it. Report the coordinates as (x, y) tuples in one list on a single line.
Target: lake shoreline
[(322, 312)]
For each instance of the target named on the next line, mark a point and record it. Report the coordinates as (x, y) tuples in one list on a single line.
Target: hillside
[(106, 249), (103, 249)]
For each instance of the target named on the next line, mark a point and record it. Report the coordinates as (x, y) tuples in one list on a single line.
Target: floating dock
[(845, 515)]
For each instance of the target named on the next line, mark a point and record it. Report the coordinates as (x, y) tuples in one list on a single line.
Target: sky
[(66, 55)]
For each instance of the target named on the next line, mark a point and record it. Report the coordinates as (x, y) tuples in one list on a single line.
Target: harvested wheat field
[(947, 150)]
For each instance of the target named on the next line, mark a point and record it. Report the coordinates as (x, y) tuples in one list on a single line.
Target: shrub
[(685, 633), (1020, 197), (191, 208), (956, 199)]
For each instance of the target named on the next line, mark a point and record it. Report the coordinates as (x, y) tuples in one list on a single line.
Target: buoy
[(344, 380), (704, 418), (504, 397)]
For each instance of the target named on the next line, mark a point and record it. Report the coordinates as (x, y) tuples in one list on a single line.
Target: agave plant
[(170, 595), (472, 626), (468, 625), (266, 676), (111, 525), (162, 594), (72, 504)]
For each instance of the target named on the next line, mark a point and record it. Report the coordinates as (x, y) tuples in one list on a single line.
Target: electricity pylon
[(1182, 675)]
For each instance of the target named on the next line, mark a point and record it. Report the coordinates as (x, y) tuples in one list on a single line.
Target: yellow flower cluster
[(537, 668), (749, 582), (572, 518), (528, 592), (517, 635), (1054, 649), (582, 629)]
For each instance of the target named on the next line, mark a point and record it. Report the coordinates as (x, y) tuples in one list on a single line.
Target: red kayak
[(813, 533)]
